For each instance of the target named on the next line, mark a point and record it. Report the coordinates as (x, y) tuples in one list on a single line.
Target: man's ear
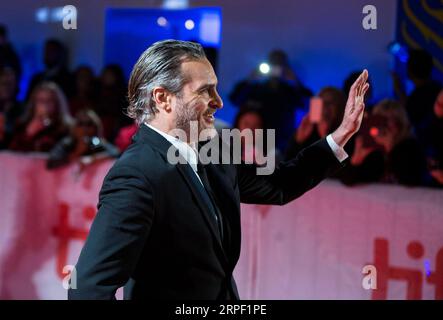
[(162, 98)]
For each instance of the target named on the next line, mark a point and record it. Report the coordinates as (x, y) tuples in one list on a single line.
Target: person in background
[(85, 90), (333, 101), (435, 160), (279, 93), (55, 59), (10, 108), (124, 136), (112, 101), (8, 56), (45, 121), (405, 162), (420, 102), (86, 139), (4, 139), (367, 162), (249, 118)]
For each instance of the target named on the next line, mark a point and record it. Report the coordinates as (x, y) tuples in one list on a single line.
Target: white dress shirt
[(187, 151), (190, 154)]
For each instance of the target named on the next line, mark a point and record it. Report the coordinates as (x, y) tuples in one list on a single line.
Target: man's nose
[(218, 102)]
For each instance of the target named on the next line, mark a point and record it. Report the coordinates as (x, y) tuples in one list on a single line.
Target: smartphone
[(372, 126), (315, 109)]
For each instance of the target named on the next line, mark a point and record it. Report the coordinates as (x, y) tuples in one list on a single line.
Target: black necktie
[(204, 179)]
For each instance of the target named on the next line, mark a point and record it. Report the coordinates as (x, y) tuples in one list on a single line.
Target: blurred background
[(283, 65)]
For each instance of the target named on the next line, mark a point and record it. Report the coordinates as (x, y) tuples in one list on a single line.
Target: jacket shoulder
[(140, 158)]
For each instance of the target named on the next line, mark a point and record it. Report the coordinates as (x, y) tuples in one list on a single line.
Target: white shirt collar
[(186, 151)]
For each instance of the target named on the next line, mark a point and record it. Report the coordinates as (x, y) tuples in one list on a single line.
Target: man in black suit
[(172, 231)]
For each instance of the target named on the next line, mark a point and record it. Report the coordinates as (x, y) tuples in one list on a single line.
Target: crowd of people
[(66, 114), (70, 115), (401, 139)]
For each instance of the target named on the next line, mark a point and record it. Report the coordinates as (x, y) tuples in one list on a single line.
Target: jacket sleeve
[(117, 235), (290, 179)]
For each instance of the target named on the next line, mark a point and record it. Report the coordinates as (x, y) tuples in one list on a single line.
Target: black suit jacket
[(155, 233)]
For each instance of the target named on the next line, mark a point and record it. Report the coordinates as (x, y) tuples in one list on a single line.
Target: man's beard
[(186, 114)]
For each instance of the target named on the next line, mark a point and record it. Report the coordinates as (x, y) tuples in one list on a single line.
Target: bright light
[(162, 22), (57, 14), (374, 132), (189, 24), (264, 68), (42, 15), (95, 141), (45, 14), (209, 28), (175, 4)]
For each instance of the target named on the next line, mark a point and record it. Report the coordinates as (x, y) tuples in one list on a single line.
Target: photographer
[(86, 139), (278, 91)]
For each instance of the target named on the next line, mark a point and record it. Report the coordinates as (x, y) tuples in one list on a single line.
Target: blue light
[(57, 14), (175, 4), (42, 15), (427, 266), (136, 29), (162, 21), (395, 48), (210, 28), (399, 51), (95, 141)]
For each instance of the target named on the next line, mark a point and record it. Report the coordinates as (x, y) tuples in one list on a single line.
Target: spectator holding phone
[(367, 162), (324, 116), (405, 161), (86, 139), (45, 121), (398, 158)]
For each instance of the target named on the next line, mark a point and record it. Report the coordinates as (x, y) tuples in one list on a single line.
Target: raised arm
[(293, 178)]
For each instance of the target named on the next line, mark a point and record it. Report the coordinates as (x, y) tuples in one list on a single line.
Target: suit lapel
[(202, 201), (224, 192), (227, 200)]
